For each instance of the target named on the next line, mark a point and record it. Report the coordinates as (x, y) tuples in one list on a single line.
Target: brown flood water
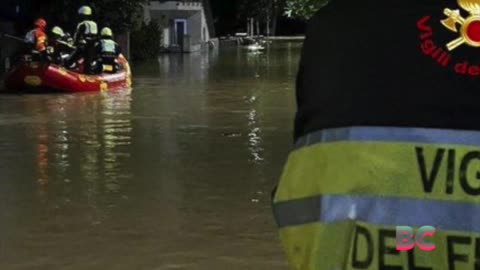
[(175, 175)]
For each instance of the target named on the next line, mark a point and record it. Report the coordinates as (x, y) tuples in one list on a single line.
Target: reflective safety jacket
[(344, 191), (387, 134), (37, 38), (108, 47), (87, 30), (108, 50)]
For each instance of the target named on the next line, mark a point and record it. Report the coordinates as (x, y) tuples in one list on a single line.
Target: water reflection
[(255, 139), (82, 144), (196, 65)]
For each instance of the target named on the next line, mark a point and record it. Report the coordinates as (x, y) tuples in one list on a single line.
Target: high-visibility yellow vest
[(344, 191), (91, 29)]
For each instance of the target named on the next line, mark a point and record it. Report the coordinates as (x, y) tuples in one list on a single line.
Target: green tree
[(120, 15), (304, 9), (264, 11), (146, 41)]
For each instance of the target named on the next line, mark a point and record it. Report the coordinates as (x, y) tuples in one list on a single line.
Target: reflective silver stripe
[(378, 210), (393, 134)]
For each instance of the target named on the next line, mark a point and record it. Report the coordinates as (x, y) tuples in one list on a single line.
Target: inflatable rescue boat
[(34, 76)]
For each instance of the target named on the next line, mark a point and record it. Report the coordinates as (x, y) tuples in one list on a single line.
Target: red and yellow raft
[(35, 76)]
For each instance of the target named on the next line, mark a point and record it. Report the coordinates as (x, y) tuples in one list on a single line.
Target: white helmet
[(58, 31), (107, 32), (85, 10)]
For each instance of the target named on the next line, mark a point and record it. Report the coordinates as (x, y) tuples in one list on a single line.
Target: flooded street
[(176, 174)]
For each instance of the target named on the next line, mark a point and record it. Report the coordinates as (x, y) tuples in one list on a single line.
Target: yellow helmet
[(58, 31), (85, 10), (107, 32)]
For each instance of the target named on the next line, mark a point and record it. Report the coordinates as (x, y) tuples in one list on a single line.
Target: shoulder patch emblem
[(467, 26)]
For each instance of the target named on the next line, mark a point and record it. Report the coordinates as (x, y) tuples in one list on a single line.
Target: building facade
[(186, 26)]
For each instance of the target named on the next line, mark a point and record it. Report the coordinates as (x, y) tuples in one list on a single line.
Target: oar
[(13, 37), (66, 44), (24, 41)]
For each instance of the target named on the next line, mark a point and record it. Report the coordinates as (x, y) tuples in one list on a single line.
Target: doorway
[(180, 31)]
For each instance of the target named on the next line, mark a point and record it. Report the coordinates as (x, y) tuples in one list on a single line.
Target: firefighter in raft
[(108, 51), (85, 39), (38, 39), (61, 46)]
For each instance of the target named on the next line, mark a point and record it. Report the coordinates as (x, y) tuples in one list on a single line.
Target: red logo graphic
[(470, 35)]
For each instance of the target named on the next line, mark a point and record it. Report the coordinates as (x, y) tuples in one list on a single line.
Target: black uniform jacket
[(404, 63)]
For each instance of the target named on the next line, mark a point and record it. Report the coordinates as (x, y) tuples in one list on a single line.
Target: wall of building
[(147, 14), (166, 37), (195, 28), (205, 29)]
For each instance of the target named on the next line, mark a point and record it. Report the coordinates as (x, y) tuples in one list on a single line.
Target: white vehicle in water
[(255, 47)]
